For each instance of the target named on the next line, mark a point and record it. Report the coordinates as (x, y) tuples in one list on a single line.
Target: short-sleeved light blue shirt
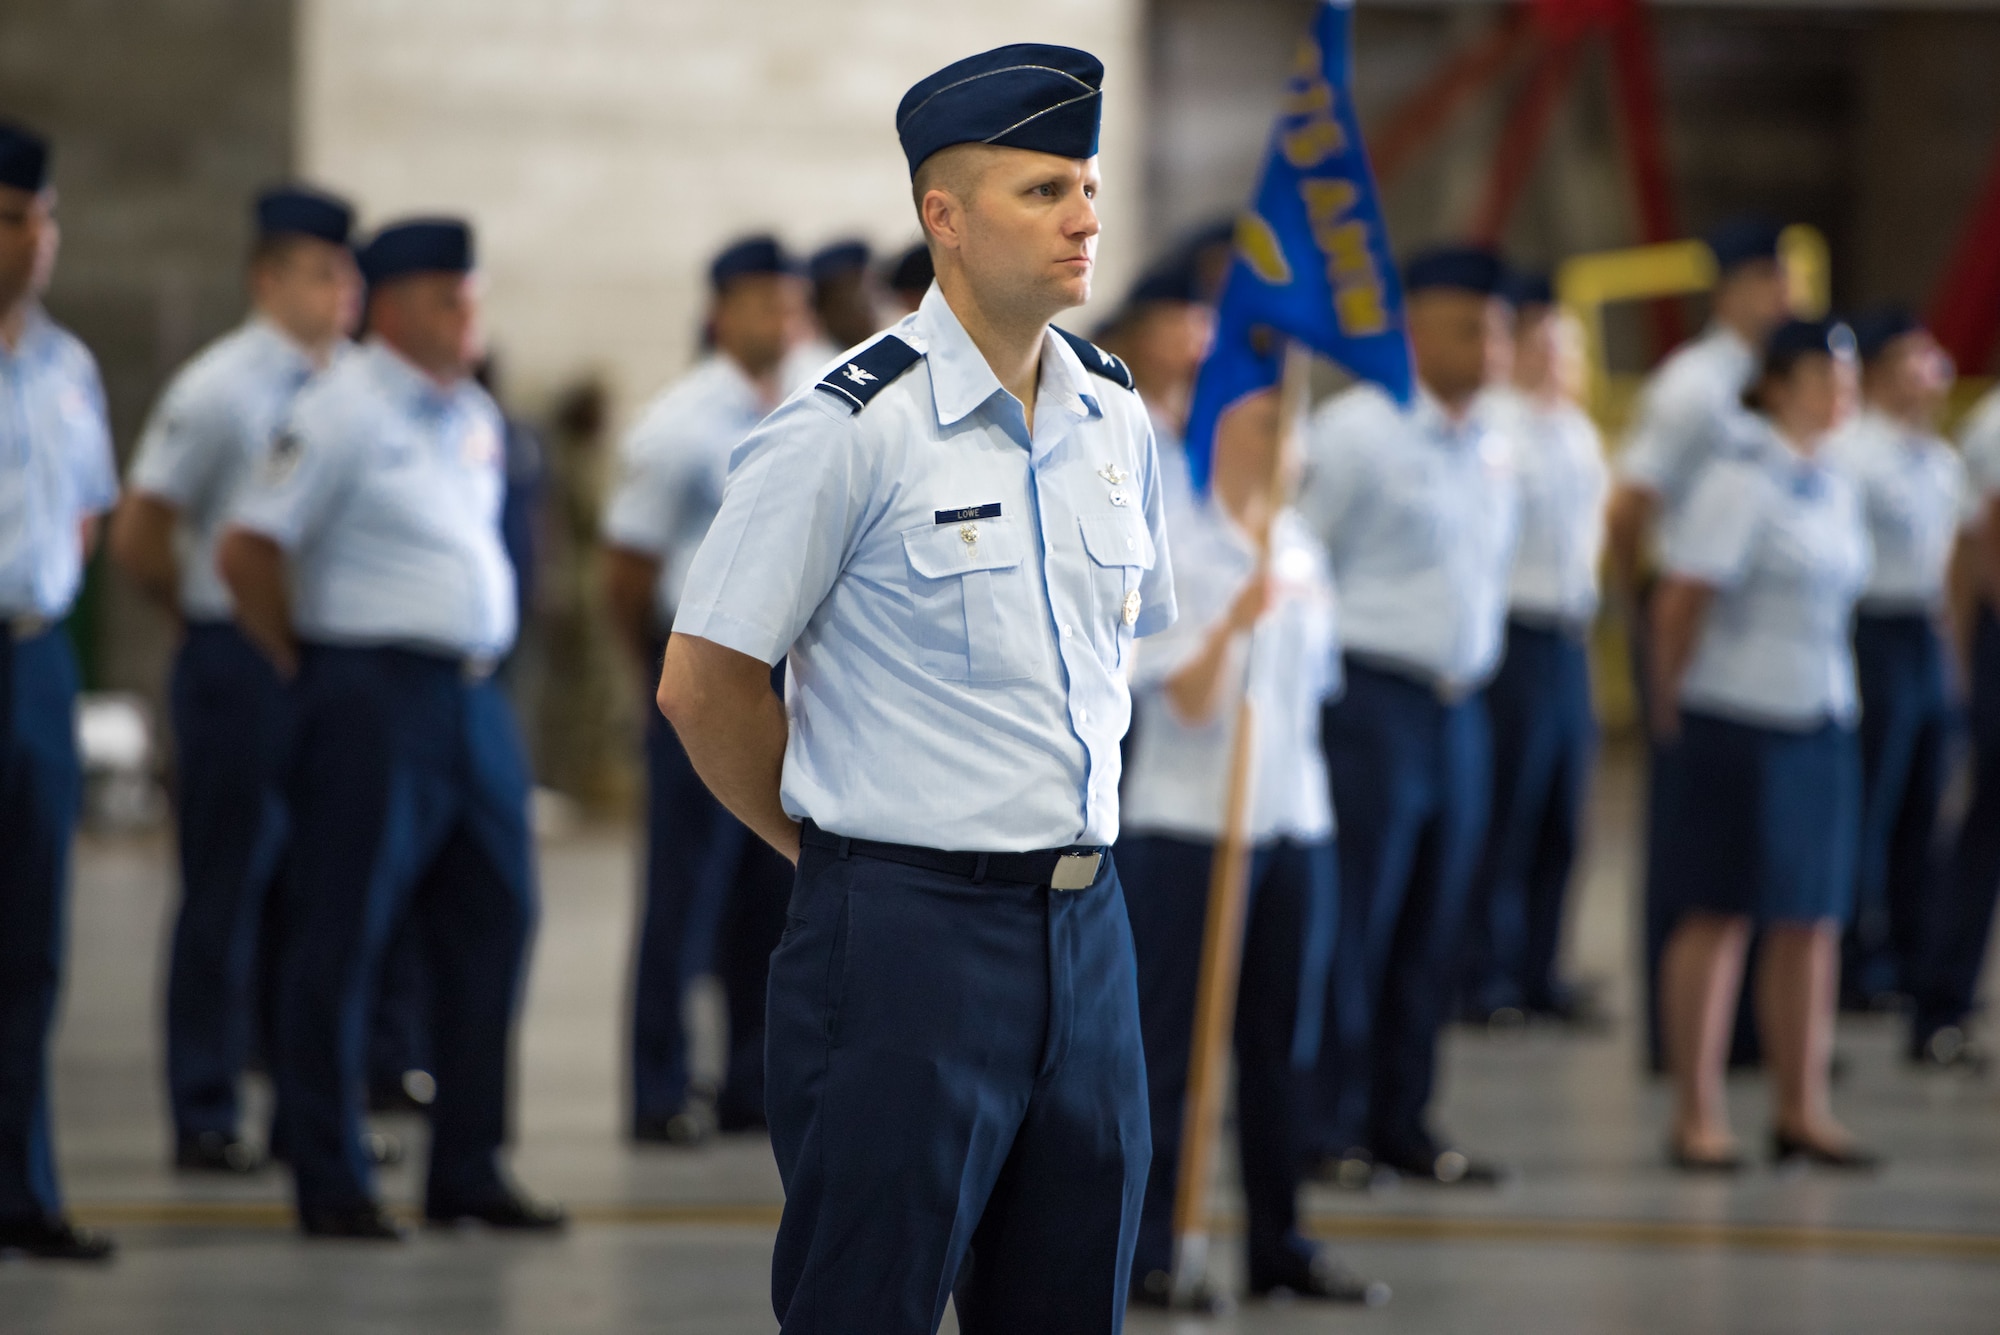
[(1782, 541), (1179, 777), (1912, 488), (1979, 446), (675, 462), (385, 491), (56, 466), (1418, 513), (1690, 411), (208, 434), (955, 682), (1560, 470)]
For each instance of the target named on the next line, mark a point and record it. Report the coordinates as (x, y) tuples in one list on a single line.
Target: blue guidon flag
[(1312, 257)]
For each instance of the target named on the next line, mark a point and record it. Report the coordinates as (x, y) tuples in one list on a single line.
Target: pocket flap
[(1117, 540), (940, 551)]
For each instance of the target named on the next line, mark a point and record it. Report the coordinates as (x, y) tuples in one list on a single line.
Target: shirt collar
[(400, 376), (267, 331), (962, 381), (1427, 411), (37, 337), (1733, 346)]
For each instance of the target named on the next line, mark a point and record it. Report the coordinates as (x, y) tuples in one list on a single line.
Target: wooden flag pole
[(1228, 895)]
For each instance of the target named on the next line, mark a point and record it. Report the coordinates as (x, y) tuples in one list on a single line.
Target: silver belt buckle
[(1075, 871), (27, 625), (476, 669)]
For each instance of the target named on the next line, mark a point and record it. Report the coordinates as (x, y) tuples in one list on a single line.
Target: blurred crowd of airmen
[(327, 520)]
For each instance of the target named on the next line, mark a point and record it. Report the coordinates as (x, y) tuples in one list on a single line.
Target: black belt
[(1073, 868)]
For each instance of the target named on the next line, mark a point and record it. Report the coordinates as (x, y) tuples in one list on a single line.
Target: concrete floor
[(1595, 1236)]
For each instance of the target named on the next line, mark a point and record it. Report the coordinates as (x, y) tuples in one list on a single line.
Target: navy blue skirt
[(1760, 822)]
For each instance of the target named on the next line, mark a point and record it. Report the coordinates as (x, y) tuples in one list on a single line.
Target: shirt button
[(1065, 629), (1131, 544), (1083, 716)]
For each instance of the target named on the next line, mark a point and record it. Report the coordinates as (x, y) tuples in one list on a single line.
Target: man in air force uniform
[(56, 477), (209, 434), (365, 558), (954, 536), (714, 892), (1417, 507)]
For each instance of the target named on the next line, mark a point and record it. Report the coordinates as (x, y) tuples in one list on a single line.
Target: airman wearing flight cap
[(1913, 495), (952, 540), (207, 436), (1690, 410), (709, 882), (365, 558), (56, 476), (846, 295), (1417, 508)]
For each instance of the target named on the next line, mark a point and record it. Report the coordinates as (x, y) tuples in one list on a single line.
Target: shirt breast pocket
[(1121, 552), (967, 591)]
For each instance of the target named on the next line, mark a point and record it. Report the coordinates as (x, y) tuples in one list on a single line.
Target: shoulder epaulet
[(869, 371), (1096, 360)]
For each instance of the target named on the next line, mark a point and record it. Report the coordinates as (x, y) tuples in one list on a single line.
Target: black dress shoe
[(691, 1126), (1155, 1291), (510, 1211), (53, 1238), (1680, 1157), (412, 1092), (1320, 1278), (217, 1152), (366, 1222), (1789, 1149), (1350, 1170), (1949, 1049), (1444, 1168)]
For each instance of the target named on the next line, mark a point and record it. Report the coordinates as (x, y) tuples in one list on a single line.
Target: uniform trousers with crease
[(957, 1099), (41, 789), (409, 793)]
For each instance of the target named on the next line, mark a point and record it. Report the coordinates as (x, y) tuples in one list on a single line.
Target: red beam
[(1526, 129), (1412, 126), (1636, 86), (1965, 309)]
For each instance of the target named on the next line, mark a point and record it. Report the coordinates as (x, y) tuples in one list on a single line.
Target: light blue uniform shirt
[(1560, 470), (385, 491), (1179, 778), (1690, 410), (676, 460), (954, 684), (1912, 489), (1979, 444), (1419, 515), (1782, 541), (208, 435), (56, 466)]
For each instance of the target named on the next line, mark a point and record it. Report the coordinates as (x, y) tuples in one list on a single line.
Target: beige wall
[(605, 148)]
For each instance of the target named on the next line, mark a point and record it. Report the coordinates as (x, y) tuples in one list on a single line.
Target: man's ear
[(943, 216)]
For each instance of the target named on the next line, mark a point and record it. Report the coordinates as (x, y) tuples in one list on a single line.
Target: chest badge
[(1114, 475), (969, 535), (1120, 499), (1129, 612)]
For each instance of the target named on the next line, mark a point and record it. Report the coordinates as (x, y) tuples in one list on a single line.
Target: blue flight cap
[(1467, 268), (1047, 99), (1529, 289), (914, 272), (1174, 278), (1875, 330), (1743, 241), (24, 158), (302, 211), (417, 245), (1804, 338), (841, 257), (750, 255)]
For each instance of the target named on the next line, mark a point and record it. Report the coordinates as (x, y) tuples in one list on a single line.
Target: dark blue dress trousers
[(232, 720), (957, 1097), (1544, 736), (409, 793), (1287, 948), (41, 789), (1410, 774)]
